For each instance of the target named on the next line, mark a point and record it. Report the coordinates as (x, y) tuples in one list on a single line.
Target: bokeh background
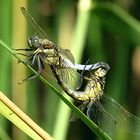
[(103, 30)]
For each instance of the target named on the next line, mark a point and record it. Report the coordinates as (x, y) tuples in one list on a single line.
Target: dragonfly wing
[(33, 23), (67, 54), (123, 118), (98, 115), (71, 78)]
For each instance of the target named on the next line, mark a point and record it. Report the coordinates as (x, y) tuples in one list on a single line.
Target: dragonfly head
[(34, 41), (100, 72)]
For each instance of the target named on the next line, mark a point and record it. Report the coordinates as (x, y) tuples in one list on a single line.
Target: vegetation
[(97, 30)]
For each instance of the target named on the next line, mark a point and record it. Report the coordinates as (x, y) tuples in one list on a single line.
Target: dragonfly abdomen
[(92, 91)]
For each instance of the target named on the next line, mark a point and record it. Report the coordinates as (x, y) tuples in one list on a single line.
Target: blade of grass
[(21, 120), (100, 133), (18, 42), (64, 25), (95, 45), (81, 28), (75, 43), (5, 34)]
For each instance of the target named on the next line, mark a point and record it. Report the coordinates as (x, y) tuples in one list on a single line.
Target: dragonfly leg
[(28, 49), (32, 76), (82, 73), (24, 61), (40, 65), (82, 76), (89, 107), (21, 54), (27, 61), (33, 59)]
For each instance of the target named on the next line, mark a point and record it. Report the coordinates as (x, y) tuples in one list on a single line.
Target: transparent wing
[(123, 117), (101, 117), (67, 54), (71, 78), (33, 23), (111, 115)]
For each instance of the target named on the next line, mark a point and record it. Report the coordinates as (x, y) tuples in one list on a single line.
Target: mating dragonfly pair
[(100, 107)]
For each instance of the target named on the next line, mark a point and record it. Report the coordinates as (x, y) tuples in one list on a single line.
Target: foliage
[(105, 31)]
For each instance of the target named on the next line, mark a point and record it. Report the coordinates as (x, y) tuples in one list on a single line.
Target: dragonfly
[(101, 108), (43, 51)]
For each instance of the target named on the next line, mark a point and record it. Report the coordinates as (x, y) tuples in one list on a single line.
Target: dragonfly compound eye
[(34, 42)]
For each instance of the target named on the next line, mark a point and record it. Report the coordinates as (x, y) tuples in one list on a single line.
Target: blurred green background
[(103, 30)]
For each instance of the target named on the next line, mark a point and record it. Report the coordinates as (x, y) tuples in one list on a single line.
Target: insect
[(101, 108), (43, 51)]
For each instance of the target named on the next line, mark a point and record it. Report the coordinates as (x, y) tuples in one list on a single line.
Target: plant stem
[(15, 110)]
